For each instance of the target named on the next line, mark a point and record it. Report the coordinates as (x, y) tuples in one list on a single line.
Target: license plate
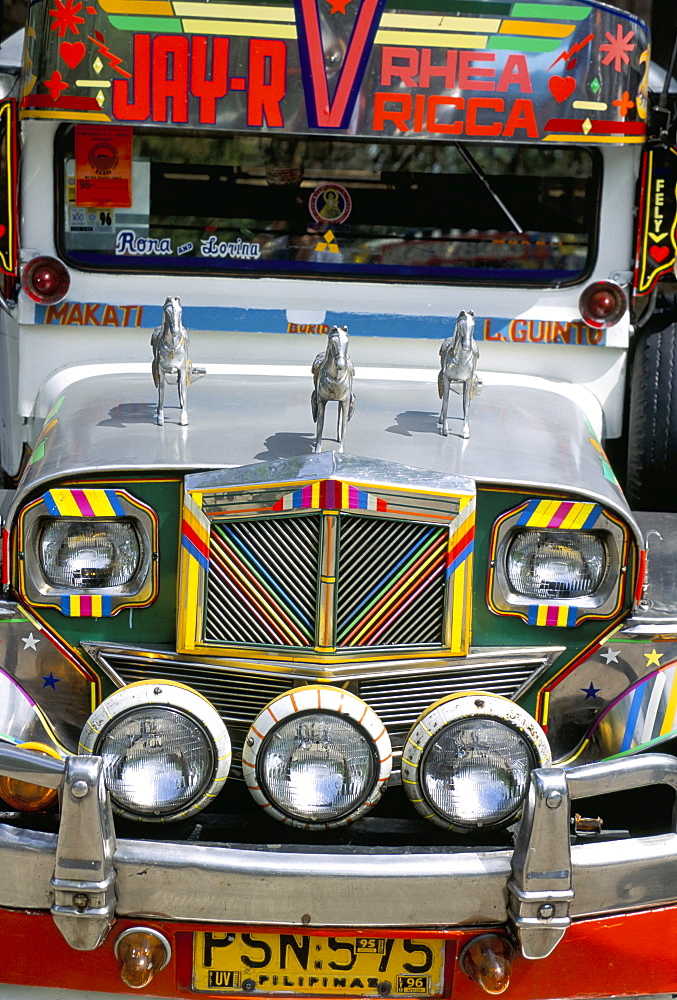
[(301, 964)]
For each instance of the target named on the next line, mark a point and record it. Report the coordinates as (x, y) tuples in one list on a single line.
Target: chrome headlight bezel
[(300, 703), (99, 507), (607, 531), (437, 719), (136, 700)]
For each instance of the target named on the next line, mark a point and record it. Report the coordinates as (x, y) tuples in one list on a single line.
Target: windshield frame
[(407, 274)]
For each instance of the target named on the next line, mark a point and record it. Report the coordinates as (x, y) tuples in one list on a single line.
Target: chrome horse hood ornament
[(458, 358), (170, 357), (333, 373)]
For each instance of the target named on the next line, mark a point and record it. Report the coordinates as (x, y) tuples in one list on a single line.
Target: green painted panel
[(153, 24), (520, 43), (551, 12)]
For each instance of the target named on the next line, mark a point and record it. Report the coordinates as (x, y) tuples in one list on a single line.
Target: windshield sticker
[(103, 166), (330, 203)]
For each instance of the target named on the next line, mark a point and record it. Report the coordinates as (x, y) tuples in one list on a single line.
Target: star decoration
[(55, 85), (50, 681), (66, 17), (609, 655), (653, 658), (338, 6), (617, 48), (591, 691), (624, 104), (30, 641)]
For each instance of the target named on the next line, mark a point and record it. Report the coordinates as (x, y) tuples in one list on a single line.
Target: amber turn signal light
[(23, 795), (487, 960), (141, 952)]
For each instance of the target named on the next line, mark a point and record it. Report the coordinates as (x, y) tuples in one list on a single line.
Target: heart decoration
[(3, 230), (659, 254), (72, 53), (561, 87)]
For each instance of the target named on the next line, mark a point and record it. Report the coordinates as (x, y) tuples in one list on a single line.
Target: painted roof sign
[(487, 69)]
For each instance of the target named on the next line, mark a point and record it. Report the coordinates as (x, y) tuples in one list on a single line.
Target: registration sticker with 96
[(305, 965)]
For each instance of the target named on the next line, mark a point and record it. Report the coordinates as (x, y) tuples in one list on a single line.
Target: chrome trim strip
[(307, 671)]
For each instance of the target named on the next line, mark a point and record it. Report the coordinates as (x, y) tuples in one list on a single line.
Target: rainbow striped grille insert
[(391, 584), (326, 566)]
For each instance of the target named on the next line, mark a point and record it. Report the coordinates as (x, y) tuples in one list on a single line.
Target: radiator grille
[(263, 581), (391, 582), (398, 700)]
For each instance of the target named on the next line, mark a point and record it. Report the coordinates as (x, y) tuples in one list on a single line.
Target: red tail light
[(45, 280), (602, 304)]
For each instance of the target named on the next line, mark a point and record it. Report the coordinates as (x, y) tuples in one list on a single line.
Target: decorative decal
[(657, 236), (72, 53), (328, 243), (591, 691), (644, 713), (86, 606), (66, 17), (562, 615), (320, 110), (8, 187), (330, 203), (561, 514), (330, 494), (83, 503), (617, 48)]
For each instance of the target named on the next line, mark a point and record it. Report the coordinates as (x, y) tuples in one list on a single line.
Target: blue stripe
[(66, 606), (362, 500), (637, 700), (194, 552), (114, 501), (572, 616), (106, 606), (50, 505), (460, 558), (593, 517), (528, 512), (533, 614), (276, 321)]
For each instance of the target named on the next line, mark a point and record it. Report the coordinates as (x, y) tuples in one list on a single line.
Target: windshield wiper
[(477, 170)]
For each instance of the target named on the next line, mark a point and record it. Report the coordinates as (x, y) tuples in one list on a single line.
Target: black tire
[(652, 425)]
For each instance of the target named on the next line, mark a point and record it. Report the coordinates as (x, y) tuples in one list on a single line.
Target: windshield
[(334, 207)]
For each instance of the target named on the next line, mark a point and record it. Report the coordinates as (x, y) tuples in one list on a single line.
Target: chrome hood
[(524, 431)]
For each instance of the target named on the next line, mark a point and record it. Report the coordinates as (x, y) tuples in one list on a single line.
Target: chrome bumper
[(87, 879)]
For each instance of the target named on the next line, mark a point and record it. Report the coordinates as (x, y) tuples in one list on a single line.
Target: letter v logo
[(321, 112)]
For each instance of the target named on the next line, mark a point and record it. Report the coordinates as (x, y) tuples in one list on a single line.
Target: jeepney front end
[(344, 706)]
